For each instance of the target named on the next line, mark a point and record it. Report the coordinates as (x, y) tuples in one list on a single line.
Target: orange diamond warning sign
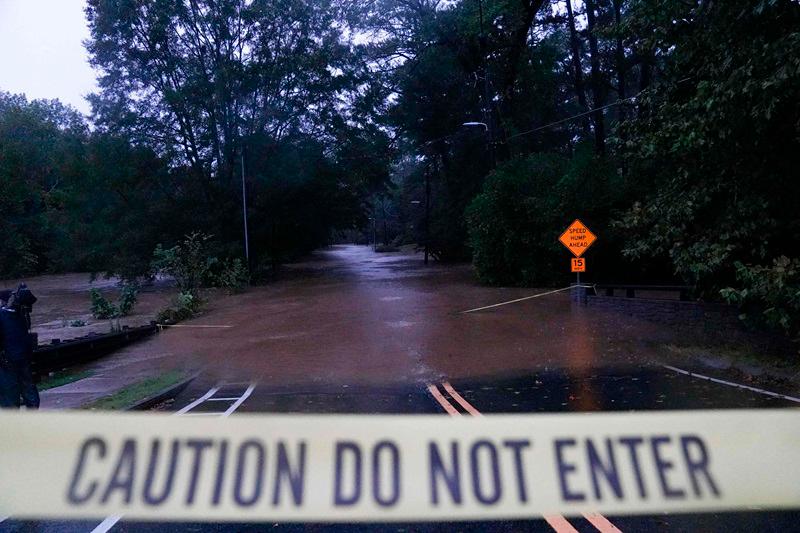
[(577, 238)]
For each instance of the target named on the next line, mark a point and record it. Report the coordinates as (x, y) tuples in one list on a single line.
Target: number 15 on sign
[(578, 264)]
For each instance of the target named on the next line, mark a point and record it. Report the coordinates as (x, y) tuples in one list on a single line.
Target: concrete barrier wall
[(708, 316), (671, 312)]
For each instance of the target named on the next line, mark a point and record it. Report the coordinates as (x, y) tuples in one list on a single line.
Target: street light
[(476, 124)]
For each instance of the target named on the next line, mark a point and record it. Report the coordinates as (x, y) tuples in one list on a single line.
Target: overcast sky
[(41, 50)]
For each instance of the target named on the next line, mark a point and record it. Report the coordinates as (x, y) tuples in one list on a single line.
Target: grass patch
[(63, 377), (138, 391)]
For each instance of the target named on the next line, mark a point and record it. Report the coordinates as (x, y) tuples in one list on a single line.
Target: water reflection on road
[(349, 315)]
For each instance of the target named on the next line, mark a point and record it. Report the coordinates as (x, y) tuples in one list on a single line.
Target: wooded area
[(671, 128)]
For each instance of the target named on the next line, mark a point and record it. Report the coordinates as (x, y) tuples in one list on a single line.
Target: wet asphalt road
[(628, 389), (366, 335)]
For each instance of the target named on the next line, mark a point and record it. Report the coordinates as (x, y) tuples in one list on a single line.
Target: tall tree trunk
[(644, 77), (620, 53), (598, 91), (576, 64)]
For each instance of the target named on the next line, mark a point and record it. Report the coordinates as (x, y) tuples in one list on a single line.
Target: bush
[(525, 205), (511, 223), (103, 309), (185, 306), (127, 299), (188, 262), (769, 295), (232, 276)]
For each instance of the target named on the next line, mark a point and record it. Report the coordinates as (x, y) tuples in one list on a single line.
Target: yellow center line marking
[(601, 523), (460, 399), (556, 521), (434, 390), (559, 523)]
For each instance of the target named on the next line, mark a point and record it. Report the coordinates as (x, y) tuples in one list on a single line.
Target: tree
[(714, 152)]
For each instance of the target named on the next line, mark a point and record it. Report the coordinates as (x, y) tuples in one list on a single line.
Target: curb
[(166, 394)]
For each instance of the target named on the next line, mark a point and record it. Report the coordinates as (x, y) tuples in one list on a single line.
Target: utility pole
[(428, 210), (244, 216)]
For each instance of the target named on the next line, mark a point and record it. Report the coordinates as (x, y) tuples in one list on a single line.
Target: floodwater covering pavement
[(349, 316), (357, 332)]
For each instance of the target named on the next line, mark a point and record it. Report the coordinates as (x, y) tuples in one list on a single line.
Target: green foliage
[(768, 295), (77, 323), (184, 307), (713, 152), (127, 299), (101, 308), (188, 262), (40, 156), (232, 276), (526, 203), (511, 223)]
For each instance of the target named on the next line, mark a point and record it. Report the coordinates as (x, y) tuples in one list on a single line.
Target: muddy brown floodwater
[(349, 315), (64, 299)]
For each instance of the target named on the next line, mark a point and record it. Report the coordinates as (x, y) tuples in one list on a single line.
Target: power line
[(579, 115), (589, 112)]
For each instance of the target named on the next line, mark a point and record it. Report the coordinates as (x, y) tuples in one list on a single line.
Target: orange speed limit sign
[(578, 264), (577, 238)]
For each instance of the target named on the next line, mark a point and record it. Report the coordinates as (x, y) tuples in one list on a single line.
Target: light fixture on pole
[(476, 124)]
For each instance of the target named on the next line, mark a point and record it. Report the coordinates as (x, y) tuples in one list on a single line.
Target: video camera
[(21, 301)]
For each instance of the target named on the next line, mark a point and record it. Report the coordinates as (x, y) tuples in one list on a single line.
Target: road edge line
[(732, 384)]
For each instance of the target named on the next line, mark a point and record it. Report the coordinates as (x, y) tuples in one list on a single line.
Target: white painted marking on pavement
[(106, 524), (524, 298), (111, 521), (240, 401), (732, 384), (198, 401)]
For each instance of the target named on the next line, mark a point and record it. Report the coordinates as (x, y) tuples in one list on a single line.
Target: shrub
[(127, 299), (102, 308), (769, 295), (232, 276), (188, 262), (526, 203), (510, 222), (185, 306)]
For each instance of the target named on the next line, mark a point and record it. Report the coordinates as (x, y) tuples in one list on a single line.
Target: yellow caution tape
[(392, 468)]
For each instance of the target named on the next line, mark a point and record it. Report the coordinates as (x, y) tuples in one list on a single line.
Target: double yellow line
[(559, 523)]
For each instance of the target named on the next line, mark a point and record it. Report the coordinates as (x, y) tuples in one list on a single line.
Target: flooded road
[(350, 316), (356, 332)]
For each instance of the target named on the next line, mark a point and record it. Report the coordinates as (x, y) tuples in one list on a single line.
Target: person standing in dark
[(16, 373), (9, 391)]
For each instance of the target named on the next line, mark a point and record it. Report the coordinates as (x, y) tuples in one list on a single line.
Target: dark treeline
[(672, 128)]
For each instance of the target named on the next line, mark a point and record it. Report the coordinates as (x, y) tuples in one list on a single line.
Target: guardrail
[(630, 290), (62, 354)]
